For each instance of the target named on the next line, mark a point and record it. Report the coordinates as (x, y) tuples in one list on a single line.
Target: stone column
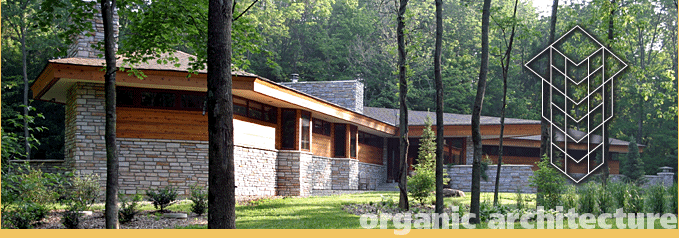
[(292, 173), (469, 151)]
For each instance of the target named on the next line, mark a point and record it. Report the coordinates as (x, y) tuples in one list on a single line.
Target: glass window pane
[(125, 98), (192, 101), (288, 129), (306, 139), (239, 110)]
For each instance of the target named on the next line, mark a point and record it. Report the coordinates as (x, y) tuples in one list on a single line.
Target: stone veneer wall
[(469, 151), (292, 173), (347, 94), (320, 170), (344, 173), (376, 174), (512, 179), (82, 43)]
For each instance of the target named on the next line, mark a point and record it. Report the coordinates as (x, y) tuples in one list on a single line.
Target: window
[(255, 110), (321, 127), (125, 98), (158, 99), (370, 139), (240, 106), (352, 146), (340, 140), (306, 127), (193, 101), (288, 124), (270, 114)]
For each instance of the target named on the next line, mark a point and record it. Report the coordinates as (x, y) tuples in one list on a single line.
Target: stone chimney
[(347, 94), (294, 78), (84, 44)]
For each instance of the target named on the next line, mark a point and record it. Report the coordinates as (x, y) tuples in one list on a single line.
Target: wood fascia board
[(155, 78), (44, 81), (315, 105), (536, 144), (511, 130)]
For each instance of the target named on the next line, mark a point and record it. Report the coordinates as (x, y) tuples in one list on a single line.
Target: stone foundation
[(344, 173), (292, 176), (513, 178)]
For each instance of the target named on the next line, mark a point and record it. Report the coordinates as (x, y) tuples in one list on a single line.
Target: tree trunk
[(111, 213), (403, 118), (439, 108), (221, 189), (607, 142), (476, 115), (27, 135), (544, 125), (505, 74)]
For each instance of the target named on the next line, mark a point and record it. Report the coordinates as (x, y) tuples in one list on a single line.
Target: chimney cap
[(295, 78)]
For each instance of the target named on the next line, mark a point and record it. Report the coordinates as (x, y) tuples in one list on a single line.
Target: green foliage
[(423, 182), (24, 215), (520, 201), (673, 199), (199, 199), (633, 167), (605, 200), (570, 198), (84, 189), (588, 202), (620, 193), (162, 197), (128, 208), (655, 199), (635, 199), (549, 183), (71, 217)]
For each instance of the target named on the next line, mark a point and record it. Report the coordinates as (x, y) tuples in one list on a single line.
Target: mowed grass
[(323, 212)]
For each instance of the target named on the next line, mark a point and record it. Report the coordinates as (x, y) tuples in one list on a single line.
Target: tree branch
[(246, 10)]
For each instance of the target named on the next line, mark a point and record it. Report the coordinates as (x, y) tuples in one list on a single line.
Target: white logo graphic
[(580, 100)]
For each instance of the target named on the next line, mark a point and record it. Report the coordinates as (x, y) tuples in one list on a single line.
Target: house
[(290, 138)]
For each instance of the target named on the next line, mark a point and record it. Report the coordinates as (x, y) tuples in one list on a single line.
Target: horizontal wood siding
[(161, 124), (188, 125), (369, 154), (321, 145)]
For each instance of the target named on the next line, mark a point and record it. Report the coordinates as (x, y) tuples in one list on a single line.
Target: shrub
[(655, 199), (673, 199), (29, 192), (635, 200), (619, 193), (85, 190), (26, 214), (570, 198), (128, 208), (71, 218), (605, 199), (520, 201), (199, 199), (423, 182), (587, 201), (633, 166), (549, 183), (162, 197)]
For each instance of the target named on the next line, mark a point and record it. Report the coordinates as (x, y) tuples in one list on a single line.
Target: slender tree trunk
[(107, 9), (544, 125), (476, 115), (403, 118), (607, 142), (439, 108), (27, 135), (221, 190), (505, 75)]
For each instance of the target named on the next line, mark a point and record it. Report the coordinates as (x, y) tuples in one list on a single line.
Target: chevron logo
[(576, 73)]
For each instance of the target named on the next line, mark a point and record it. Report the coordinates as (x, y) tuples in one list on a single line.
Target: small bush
[(162, 197), (71, 218), (85, 190), (570, 198), (25, 215), (199, 199), (423, 182), (673, 199), (635, 199), (549, 183), (620, 193), (655, 199), (520, 201), (605, 199), (587, 202), (420, 185), (128, 208)]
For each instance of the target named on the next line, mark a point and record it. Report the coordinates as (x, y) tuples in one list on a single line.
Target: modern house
[(290, 138)]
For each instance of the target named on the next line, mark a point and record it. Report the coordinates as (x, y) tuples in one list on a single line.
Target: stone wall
[(512, 179), (82, 43), (373, 173), (292, 173), (344, 173), (347, 94), (469, 151), (321, 170)]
